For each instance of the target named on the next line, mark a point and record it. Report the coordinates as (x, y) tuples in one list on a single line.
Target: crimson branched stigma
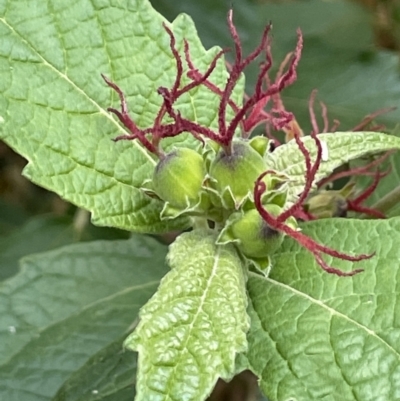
[(247, 116), (226, 193)]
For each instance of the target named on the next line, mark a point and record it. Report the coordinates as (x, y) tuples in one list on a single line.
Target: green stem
[(80, 222), (390, 200), (200, 223)]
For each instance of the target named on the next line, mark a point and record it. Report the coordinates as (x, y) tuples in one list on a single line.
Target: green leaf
[(193, 327), (108, 375), (386, 197), (39, 234), (340, 147), (43, 233), (67, 305), (324, 336), (53, 102)]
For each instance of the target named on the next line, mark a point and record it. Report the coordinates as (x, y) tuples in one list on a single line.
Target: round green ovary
[(178, 178), (238, 171), (257, 239)]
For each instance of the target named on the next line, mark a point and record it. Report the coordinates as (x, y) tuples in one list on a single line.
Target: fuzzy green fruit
[(233, 175), (178, 178), (257, 239)]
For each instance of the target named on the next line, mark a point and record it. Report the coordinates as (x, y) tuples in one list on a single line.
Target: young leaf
[(53, 101), (324, 336), (193, 327), (340, 147), (66, 305)]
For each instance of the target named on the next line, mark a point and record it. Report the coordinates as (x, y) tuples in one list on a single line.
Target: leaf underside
[(339, 148)]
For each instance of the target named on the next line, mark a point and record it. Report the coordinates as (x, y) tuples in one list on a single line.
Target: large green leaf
[(316, 336), (53, 102), (67, 305), (109, 375), (192, 328), (43, 233)]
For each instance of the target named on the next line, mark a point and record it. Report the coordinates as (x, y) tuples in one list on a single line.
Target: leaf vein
[(75, 87), (330, 310)]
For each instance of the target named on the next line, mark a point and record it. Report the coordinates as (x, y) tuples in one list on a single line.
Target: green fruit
[(178, 178), (233, 175), (257, 239)]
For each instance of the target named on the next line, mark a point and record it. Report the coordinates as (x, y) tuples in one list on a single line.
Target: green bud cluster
[(218, 186)]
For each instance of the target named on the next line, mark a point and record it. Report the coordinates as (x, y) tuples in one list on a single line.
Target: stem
[(386, 203), (80, 221), (200, 223)]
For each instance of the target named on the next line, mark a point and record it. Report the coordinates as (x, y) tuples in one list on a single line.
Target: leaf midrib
[(214, 269)]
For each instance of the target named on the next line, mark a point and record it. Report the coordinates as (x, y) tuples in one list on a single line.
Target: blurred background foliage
[(350, 55)]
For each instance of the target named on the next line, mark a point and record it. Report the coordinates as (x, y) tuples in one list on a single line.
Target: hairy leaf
[(65, 306), (338, 149), (192, 328), (324, 336), (53, 101)]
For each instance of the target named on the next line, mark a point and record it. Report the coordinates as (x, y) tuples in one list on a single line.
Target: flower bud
[(327, 204), (178, 178), (233, 175), (257, 239)]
